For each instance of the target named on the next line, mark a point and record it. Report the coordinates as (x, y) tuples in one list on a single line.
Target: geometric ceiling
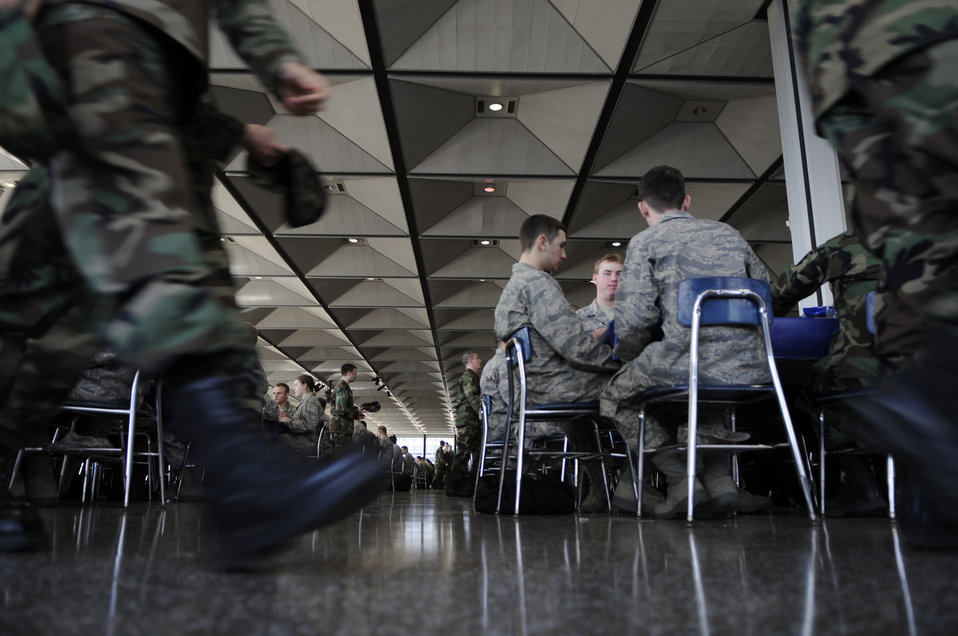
[(395, 276)]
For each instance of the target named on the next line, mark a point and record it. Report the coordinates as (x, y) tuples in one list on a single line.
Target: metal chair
[(518, 353), (722, 301), (835, 401), (126, 453)]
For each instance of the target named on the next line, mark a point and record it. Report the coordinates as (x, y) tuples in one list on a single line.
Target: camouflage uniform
[(594, 316), (302, 431), (678, 247), (442, 469), (853, 272), (468, 431), (342, 414), (885, 93), (567, 364), (125, 208), (47, 316), (494, 382)]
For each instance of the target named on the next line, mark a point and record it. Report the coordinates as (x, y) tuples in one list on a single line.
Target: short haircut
[(308, 380), (346, 368), (283, 386), (662, 188), (466, 357), (536, 225), (614, 258)]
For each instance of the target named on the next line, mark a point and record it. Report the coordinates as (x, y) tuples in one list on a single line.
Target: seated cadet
[(675, 247), (568, 365), (494, 382), (851, 363), (302, 431)]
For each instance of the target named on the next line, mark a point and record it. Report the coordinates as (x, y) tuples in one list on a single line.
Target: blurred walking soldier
[(133, 73), (344, 411), (461, 482)]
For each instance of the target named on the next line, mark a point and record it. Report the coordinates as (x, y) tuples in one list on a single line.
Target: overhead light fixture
[(353, 240), (489, 188), (329, 187), (258, 277), (8, 184), (700, 111), (495, 107), (485, 242), (616, 243)]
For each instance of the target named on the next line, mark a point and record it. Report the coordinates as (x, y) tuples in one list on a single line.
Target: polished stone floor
[(421, 563)]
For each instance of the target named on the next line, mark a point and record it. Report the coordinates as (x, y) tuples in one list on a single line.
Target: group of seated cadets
[(298, 427), (571, 365)]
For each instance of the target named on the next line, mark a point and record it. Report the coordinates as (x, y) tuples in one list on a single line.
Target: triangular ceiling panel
[(524, 36), (352, 261), (341, 18), (381, 195), (473, 295), (244, 262), (751, 126), (605, 24), (345, 216), (478, 262), (640, 113), (428, 116), (493, 146), (330, 151), (373, 294), (697, 150), (681, 24), (740, 52), (488, 216), (269, 293), (393, 338), (540, 197), (564, 119), (315, 338), (296, 318), (386, 319), (409, 20), (460, 320), (355, 113)]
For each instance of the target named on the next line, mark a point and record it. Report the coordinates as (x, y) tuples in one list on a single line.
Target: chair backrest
[(524, 336), (870, 311), (732, 310)]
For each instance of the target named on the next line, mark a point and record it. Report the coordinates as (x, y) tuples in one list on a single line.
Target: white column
[(816, 209)]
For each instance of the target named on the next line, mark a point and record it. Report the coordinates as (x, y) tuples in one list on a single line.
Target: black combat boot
[(260, 492)]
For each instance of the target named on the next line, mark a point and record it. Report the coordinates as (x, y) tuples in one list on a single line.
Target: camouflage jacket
[(678, 247), (593, 317), (567, 363), (843, 41), (307, 416), (248, 25), (343, 409), (468, 399), (852, 272)]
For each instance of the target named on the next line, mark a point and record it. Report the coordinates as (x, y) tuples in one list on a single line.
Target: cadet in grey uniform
[(677, 246)]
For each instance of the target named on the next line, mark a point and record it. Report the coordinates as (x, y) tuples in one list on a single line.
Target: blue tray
[(802, 337)]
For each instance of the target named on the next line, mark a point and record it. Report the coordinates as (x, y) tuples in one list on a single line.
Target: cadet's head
[(349, 372), (606, 277), (542, 239), (382, 431), (471, 360), (662, 190), (281, 393), (303, 385)]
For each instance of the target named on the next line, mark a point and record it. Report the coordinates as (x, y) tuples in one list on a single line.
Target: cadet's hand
[(599, 333), (261, 142), (302, 89)]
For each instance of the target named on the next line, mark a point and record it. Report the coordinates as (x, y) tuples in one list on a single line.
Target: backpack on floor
[(541, 495)]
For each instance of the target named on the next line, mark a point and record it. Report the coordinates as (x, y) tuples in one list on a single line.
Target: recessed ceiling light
[(258, 277), (485, 242), (700, 111), (489, 188), (8, 184), (495, 106), (329, 187), (353, 240), (616, 243)]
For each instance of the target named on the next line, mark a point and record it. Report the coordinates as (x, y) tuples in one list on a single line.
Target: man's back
[(677, 248)]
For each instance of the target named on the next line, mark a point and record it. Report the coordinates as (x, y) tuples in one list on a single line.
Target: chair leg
[(15, 471), (640, 466), (803, 478), (890, 475)]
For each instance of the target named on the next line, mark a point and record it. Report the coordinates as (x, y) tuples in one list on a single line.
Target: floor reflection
[(421, 562)]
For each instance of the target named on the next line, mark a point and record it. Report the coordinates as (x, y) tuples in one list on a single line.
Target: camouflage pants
[(897, 137), (468, 440), (338, 435)]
